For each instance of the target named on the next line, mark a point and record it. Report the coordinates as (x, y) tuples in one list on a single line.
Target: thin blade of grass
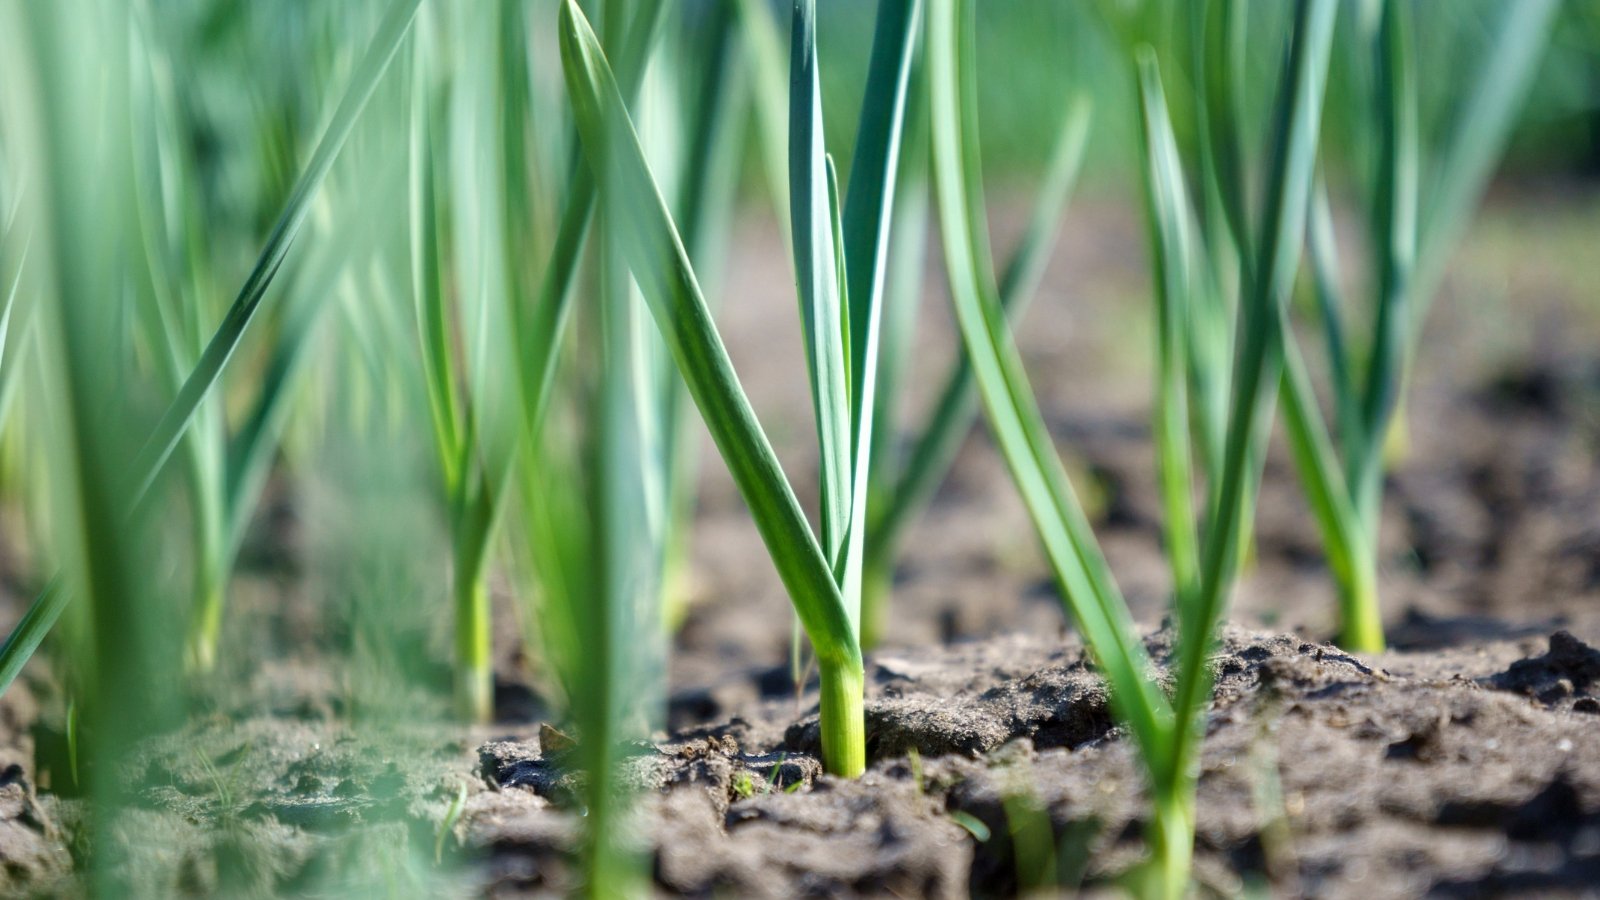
[(1013, 413), (46, 608), (427, 279), (1217, 32), (661, 267), (1395, 236), (1220, 42), (1344, 540), (1323, 251), (1292, 161), (864, 240), (1171, 225), (823, 316)]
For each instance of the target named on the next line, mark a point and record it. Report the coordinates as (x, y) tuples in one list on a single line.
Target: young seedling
[(175, 295), (1413, 224), (839, 256), (1165, 733), (151, 459), (460, 257), (901, 491)]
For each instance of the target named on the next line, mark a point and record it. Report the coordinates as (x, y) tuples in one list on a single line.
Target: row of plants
[(556, 245)]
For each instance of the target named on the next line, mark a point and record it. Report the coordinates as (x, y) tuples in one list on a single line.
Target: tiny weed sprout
[(839, 260)]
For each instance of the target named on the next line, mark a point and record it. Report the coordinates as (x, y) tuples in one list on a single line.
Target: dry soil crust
[(1324, 775), (994, 765)]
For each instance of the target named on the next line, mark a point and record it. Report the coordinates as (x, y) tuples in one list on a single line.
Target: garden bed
[(1461, 762)]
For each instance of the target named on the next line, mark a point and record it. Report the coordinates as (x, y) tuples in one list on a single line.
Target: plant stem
[(474, 675), (205, 625), (1360, 624), (1170, 836), (213, 557), (877, 580), (1297, 124), (844, 739)]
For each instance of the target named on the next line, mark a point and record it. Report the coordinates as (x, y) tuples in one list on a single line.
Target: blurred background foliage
[(267, 67)]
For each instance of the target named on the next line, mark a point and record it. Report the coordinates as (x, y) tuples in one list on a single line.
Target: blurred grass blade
[(1395, 241), (385, 42), (1013, 413), (1484, 122), (46, 608), (1297, 118), (9, 347), (957, 407), (542, 333), (1219, 42), (1323, 251), (771, 99), (709, 193), (1351, 559), (1171, 225), (427, 278), (661, 268)]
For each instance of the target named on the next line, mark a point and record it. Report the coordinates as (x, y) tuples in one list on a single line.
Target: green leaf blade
[(1013, 413), (1171, 226), (823, 316), (661, 268)]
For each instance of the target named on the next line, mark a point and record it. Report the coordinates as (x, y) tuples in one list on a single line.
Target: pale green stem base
[(205, 630), (474, 676), (1360, 620), (1171, 839), (676, 592), (1397, 438), (844, 736)]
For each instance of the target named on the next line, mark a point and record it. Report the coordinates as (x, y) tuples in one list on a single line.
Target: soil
[(1461, 763)]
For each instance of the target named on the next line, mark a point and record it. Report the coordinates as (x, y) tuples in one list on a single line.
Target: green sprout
[(1413, 221), (1165, 733), (839, 257)]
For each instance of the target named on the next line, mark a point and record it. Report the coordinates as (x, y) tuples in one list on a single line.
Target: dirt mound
[(1566, 676)]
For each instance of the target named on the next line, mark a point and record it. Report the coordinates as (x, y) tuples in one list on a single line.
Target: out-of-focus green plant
[(462, 281), (1415, 215), (151, 458)]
